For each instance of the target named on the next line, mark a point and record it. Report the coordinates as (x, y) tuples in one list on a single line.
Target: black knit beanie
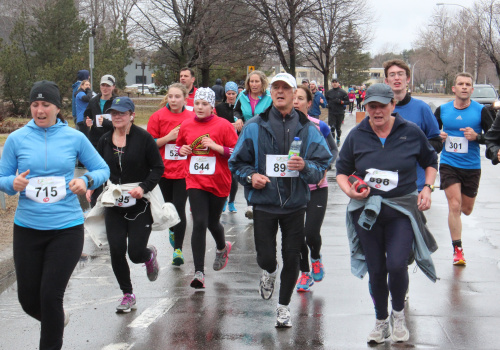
[(46, 91)]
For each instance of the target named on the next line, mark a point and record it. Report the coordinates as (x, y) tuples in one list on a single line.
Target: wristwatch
[(430, 187), (90, 180), (249, 178)]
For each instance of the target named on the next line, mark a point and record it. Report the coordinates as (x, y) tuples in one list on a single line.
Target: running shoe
[(232, 208), (225, 205), (222, 257), (198, 281), (178, 259), (304, 282), (458, 256), (249, 212), (318, 270), (283, 318), (266, 286), (127, 303), (398, 324), (380, 333), (152, 267), (66, 318), (171, 238)]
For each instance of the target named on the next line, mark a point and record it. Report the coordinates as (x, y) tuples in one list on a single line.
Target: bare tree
[(193, 33), (441, 41), (278, 21), (487, 13), (104, 16), (320, 31)]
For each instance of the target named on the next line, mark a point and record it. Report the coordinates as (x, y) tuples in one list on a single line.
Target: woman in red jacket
[(164, 126), (208, 142)]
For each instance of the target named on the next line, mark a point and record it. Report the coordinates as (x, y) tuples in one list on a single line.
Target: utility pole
[(143, 67)]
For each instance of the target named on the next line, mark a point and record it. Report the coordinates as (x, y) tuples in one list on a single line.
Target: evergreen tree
[(52, 43), (352, 64)]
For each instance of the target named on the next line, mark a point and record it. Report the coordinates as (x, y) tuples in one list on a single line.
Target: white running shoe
[(249, 212), (399, 330), (380, 333), (283, 318), (266, 286)]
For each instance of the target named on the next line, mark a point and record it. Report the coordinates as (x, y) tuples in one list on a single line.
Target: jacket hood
[(218, 81), (82, 74)]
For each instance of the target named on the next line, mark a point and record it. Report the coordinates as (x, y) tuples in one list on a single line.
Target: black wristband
[(430, 187)]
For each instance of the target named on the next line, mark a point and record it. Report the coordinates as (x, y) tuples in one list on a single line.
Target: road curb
[(6, 267)]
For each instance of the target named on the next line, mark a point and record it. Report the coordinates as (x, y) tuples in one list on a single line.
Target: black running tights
[(206, 209), (44, 261)]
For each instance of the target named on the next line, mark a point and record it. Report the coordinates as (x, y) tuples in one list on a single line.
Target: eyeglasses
[(399, 74)]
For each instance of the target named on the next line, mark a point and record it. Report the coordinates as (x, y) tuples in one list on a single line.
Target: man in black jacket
[(99, 122), (337, 100)]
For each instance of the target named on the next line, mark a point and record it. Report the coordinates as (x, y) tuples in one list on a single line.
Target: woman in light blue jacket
[(38, 161)]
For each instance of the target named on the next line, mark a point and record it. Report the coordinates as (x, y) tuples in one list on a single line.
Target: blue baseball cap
[(121, 104)]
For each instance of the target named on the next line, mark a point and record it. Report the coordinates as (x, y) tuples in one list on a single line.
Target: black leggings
[(335, 123), (234, 188), (206, 209), (351, 106), (121, 225), (315, 213), (292, 236), (174, 191), (44, 261), (387, 247)]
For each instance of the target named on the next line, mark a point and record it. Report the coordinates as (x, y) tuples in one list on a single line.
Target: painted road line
[(118, 346), (152, 313)]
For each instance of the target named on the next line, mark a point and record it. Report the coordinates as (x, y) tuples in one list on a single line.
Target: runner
[(164, 127), (95, 117), (187, 79), (383, 224), (277, 186), (208, 142), (316, 207), (136, 168), (97, 120), (460, 167), (48, 226), (226, 110)]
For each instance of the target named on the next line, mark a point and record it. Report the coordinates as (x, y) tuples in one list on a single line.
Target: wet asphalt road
[(460, 311)]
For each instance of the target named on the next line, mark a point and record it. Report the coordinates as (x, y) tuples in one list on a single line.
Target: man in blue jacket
[(397, 76), (277, 186), (318, 100)]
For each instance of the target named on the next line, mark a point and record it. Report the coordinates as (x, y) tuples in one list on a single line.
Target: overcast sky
[(398, 21)]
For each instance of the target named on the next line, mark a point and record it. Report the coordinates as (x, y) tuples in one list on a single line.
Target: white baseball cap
[(108, 79), (287, 78)]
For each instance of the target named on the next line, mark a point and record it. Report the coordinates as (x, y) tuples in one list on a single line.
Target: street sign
[(250, 69)]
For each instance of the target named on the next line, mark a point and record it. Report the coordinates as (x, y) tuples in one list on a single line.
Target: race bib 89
[(276, 166)]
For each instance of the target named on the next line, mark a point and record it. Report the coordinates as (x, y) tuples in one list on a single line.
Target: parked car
[(148, 88), (487, 95)]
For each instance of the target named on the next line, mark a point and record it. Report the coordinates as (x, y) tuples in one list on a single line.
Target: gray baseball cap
[(379, 93)]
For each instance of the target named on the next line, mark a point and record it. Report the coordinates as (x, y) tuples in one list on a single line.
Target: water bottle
[(295, 147)]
